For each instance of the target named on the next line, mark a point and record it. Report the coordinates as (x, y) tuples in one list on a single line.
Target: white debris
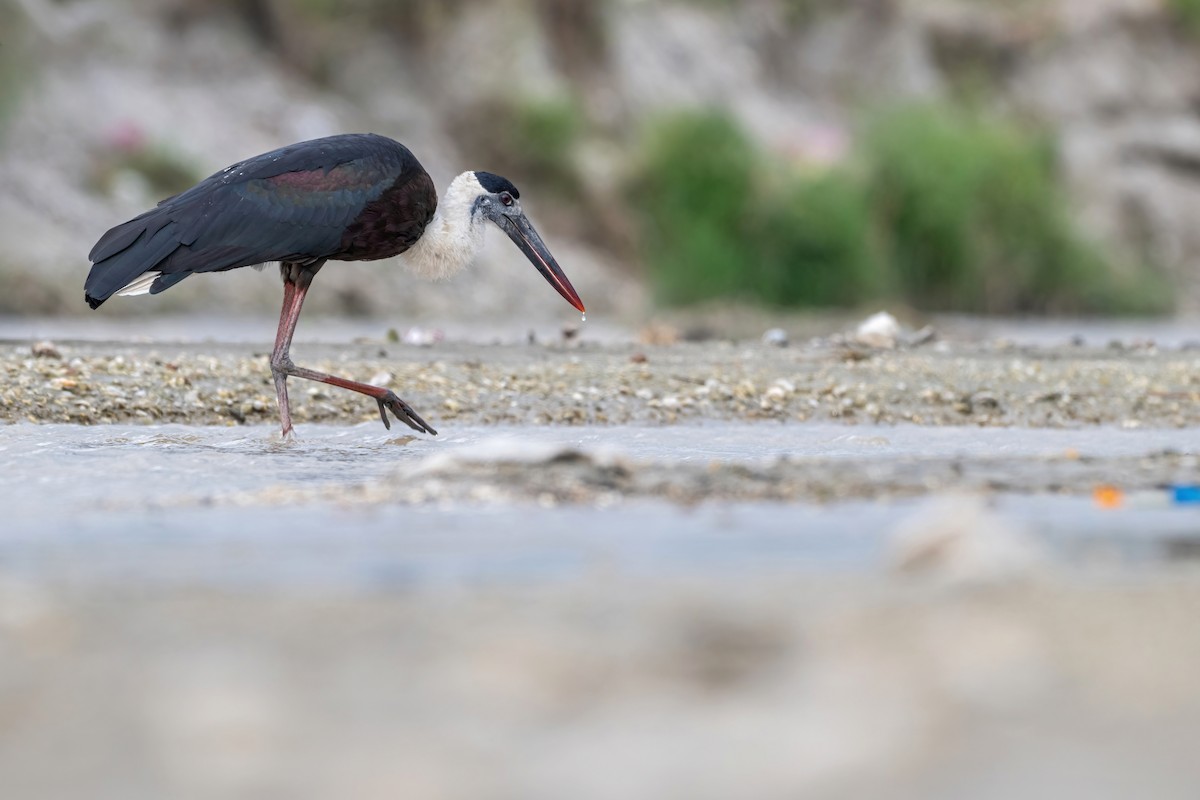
[(878, 330), (776, 337), (422, 337)]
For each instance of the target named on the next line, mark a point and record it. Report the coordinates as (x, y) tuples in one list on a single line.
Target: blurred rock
[(45, 349), (775, 337), (878, 330), (512, 450), (960, 540), (659, 333), (923, 336), (422, 337)]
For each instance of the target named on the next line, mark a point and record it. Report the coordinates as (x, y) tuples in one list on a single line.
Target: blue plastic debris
[(1186, 495)]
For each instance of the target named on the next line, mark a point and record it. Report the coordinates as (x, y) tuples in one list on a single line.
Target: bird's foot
[(403, 412)]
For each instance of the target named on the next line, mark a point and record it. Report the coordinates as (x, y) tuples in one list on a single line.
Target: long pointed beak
[(521, 231)]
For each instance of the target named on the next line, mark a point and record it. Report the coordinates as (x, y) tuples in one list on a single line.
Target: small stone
[(775, 337), (921, 337), (879, 330), (422, 337), (659, 334), (45, 349), (984, 400)]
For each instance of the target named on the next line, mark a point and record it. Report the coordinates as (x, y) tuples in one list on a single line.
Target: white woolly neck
[(453, 237)]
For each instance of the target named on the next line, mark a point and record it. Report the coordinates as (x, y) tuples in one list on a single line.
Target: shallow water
[(58, 471), (137, 503)]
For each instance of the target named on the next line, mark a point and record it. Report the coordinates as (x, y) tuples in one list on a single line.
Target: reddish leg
[(282, 366), (279, 356)]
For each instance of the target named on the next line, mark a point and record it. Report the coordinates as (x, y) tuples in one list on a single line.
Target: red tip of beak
[(568, 292), (554, 274)]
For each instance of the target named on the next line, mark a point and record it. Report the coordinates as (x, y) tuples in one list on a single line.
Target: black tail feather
[(126, 252)]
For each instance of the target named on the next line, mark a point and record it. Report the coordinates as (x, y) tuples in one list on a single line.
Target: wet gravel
[(588, 384)]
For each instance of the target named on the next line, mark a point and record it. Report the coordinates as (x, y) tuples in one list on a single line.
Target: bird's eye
[(506, 198)]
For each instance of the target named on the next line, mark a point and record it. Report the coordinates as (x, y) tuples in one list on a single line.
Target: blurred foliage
[(718, 222), (15, 61), (800, 13), (25, 292), (821, 224), (1187, 12), (973, 219), (532, 138), (164, 172), (695, 195), (947, 210), (544, 133)]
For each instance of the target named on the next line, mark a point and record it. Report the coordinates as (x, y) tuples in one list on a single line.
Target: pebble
[(45, 349), (880, 330), (775, 337)]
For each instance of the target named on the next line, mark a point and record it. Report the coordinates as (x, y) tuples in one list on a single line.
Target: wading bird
[(354, 197)]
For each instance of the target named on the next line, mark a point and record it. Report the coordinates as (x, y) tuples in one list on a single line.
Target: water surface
[(128, 503)]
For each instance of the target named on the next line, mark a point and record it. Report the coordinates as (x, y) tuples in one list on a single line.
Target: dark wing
[(293, 204)]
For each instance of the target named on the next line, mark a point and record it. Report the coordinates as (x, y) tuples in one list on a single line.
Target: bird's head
[(499, 201)]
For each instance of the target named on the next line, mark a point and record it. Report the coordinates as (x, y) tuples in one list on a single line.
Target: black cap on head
[(496, 184)]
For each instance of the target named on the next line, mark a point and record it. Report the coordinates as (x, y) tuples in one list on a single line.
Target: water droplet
[(583, 317)]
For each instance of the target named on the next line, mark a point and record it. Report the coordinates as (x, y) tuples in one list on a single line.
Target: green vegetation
[(531, 138), (15, 62), (718, 226), (942, 210), (695, 197), (544, 133), (823, 223), (164, 172), (973, 220), (1187, 12)]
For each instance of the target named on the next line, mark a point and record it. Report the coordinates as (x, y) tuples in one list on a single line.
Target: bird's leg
[(282, 367), (293, 299), (387, 399)]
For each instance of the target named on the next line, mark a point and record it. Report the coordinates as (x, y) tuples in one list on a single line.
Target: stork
[(352, 197)]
